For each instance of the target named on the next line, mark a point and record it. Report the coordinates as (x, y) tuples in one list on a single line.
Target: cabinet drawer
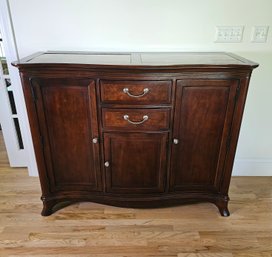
[(136, 119), (136, 92)]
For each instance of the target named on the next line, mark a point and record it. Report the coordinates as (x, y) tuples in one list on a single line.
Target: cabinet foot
[(222, 206), (47, 207)]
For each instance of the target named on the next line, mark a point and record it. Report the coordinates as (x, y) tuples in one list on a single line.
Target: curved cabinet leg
[(47, 206), (222, 205)]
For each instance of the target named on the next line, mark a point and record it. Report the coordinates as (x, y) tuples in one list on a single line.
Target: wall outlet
[(229, 34), (259, 34)]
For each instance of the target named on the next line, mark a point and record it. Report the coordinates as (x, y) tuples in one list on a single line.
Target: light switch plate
[(229, 34), (259, 34)]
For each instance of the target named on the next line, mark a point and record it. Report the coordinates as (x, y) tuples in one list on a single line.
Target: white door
[(9, 118), (13, 116)]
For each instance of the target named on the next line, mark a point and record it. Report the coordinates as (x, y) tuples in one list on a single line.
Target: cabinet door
[(136, 162), (202, 123), (66, 112)]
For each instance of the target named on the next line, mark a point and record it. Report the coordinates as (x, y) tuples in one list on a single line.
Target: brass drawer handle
[(126, 91), (145, 118)]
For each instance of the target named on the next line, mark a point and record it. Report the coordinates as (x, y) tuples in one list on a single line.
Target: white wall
[(162, 25)]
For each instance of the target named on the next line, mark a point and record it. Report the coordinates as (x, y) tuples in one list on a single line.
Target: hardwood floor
[(88, 229)]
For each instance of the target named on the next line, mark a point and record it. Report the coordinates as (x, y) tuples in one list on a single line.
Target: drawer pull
[(126, 91), (145, 118), (95, 140), (175, 141)]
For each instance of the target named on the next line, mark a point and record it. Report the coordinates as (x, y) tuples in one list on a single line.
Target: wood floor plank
[(205, 254), (95, 230)]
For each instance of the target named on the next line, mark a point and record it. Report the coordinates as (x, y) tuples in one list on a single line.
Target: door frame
[(17, 157)]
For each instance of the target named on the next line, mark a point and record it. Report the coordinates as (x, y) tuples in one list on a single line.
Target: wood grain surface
[(88, 229)]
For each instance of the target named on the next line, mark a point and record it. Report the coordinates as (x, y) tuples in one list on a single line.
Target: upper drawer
[(136, 92)]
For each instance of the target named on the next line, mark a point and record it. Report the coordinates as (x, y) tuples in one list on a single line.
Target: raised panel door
[(136, 162), (68, 124), (202, 123)]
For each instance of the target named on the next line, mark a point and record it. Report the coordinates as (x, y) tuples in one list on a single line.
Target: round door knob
[(95, 140), (107, 164), (175, 141)]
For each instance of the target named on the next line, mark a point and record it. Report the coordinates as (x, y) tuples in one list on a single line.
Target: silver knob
[(175, 141), (95, 140), (107, 164)]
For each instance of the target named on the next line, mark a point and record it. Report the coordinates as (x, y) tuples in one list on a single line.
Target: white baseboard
[(252, 167)]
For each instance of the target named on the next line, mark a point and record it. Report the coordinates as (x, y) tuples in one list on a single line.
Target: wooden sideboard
[(135, 129)]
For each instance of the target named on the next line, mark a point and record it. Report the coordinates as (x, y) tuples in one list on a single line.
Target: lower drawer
[(136, 119)]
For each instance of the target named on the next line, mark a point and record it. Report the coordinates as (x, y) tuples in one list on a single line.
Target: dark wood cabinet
[(135, 129)]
